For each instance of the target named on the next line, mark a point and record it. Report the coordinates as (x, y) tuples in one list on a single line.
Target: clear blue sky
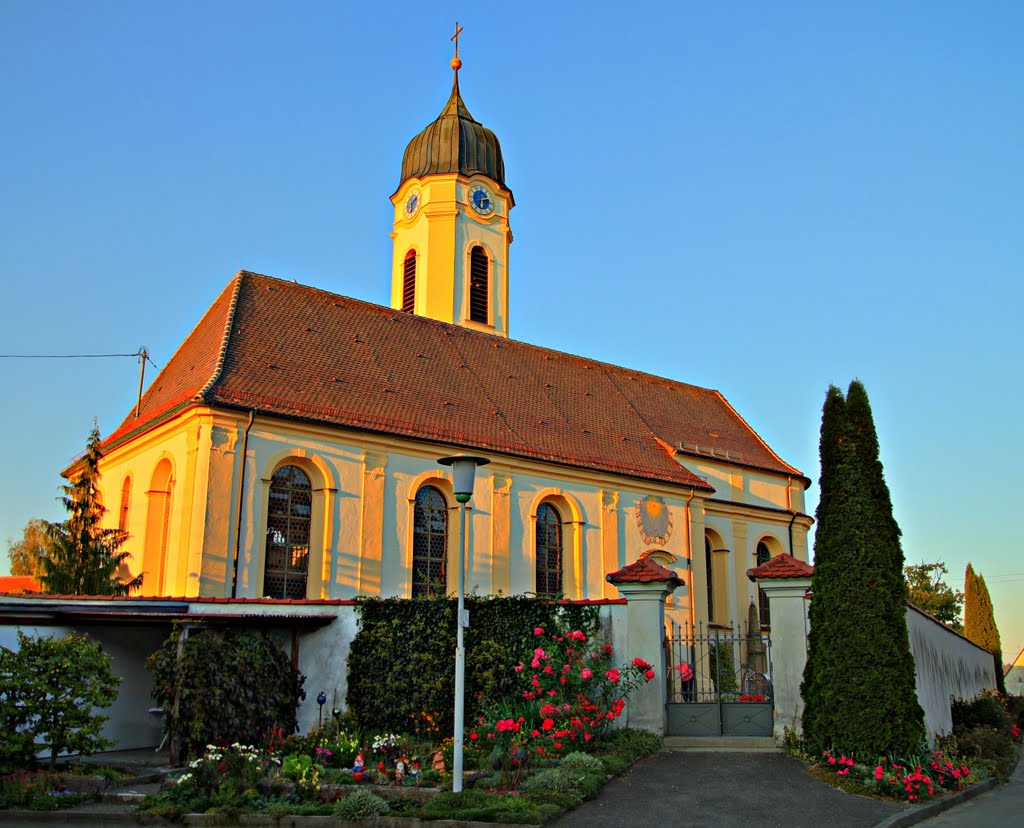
[(761, 198)]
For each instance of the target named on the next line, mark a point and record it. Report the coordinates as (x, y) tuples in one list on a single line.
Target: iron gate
[(719, 681)]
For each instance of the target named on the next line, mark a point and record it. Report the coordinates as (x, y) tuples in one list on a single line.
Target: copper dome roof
[(454, 143)]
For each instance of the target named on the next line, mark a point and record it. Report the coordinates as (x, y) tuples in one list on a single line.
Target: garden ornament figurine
[(400, 771), (358, 767), (414, 770), (439, 762)]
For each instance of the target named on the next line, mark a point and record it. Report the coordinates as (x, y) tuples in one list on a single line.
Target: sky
[(761, 198)]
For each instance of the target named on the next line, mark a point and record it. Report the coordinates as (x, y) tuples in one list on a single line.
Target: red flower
[(548, 724), (649, 675)]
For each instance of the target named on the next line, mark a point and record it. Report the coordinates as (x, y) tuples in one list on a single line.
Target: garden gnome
[(382, 772), (400, 771), (414, 771), (358, 767), (439, 762)]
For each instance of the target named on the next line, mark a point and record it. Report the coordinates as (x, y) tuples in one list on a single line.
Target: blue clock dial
[(412, 203), (481, 200)]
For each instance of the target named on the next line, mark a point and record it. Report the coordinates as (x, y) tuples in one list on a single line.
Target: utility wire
[(140, 353)]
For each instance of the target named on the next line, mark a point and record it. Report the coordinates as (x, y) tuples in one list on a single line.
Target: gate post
[(786, 581), (645, 585)]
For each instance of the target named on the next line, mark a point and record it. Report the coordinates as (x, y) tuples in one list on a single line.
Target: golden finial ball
[(456, 64)]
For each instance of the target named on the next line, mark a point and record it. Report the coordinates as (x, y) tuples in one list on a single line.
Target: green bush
[(582, 761), (416, 641), (360, 804), (50, 690), (722, 667), (234, 686), (985, 710)]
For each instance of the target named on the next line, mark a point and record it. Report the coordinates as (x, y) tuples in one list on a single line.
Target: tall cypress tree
[(980, 621), (83, 558), (857, 689), (885, 554)]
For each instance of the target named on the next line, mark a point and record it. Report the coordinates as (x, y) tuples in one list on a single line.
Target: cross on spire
[(456, 62)]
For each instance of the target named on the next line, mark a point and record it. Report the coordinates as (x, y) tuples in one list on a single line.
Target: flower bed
[(545, 749)]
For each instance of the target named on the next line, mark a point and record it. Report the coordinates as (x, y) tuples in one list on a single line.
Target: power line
[(142, 352)]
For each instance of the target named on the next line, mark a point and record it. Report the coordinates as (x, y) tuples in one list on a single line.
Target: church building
[(289, 449)]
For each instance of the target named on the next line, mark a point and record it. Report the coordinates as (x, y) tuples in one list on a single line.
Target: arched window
[(409, 282), (430, 543), (763, 607), (711, 580), (126, 498), (478, 278), (289, 509), (549, 551), (158, 521)]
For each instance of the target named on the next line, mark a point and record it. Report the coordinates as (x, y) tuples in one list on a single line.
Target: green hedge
[(402, 662)]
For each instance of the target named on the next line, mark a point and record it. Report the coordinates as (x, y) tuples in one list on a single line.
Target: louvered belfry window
[(288, 513), (549, 551), (763, 607), (478, 273), (430, 543), (409, 282)]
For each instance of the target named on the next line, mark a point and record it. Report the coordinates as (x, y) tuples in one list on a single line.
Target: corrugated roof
[(294, 351)]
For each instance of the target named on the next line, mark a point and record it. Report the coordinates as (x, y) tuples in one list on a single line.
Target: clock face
[(481, 200), (412, 203)]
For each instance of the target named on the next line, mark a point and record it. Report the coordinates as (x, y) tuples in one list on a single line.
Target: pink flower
[(879, 773), (612, 675), (519, 667), (538, 631), (585, 674)]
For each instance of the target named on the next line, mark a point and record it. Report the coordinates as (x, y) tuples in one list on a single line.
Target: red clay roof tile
[(642, 571), (781, 566), (294, 351)]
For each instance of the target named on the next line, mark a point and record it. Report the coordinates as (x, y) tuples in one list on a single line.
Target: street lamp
[(463, 474)]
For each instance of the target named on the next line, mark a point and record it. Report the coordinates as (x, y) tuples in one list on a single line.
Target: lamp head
[(463, 473)]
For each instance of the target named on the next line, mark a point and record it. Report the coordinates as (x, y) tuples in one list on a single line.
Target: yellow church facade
[(289, 448)]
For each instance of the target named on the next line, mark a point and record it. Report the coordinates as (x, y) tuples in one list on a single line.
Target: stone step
[(745, 744)]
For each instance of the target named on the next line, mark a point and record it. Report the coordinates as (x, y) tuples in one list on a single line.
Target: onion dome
[(454, 143)]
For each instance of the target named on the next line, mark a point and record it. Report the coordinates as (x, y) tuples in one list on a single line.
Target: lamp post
[(463, 474)]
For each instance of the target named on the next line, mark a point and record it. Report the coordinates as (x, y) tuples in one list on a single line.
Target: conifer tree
[(858, 691), (980, 621), (83, 558)]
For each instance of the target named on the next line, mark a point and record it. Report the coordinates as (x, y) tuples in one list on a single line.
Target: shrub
[(360, 804), (582, 761), (234, 686), (987, 709), (416, 640), (49, 692)]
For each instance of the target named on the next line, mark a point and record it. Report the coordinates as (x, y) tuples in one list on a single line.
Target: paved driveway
[(671, 789)]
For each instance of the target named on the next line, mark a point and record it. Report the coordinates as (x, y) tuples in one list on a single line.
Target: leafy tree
[(980, 620), (859, 684), (26, 555), (232, 685), (49, 691), (927, 590), (84, 558)]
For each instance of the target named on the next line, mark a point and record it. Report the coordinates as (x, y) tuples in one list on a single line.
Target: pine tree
[(980, 621), (858, 693), (84, 558)]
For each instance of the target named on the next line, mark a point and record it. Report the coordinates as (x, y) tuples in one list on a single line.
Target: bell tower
[(451, 232)]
